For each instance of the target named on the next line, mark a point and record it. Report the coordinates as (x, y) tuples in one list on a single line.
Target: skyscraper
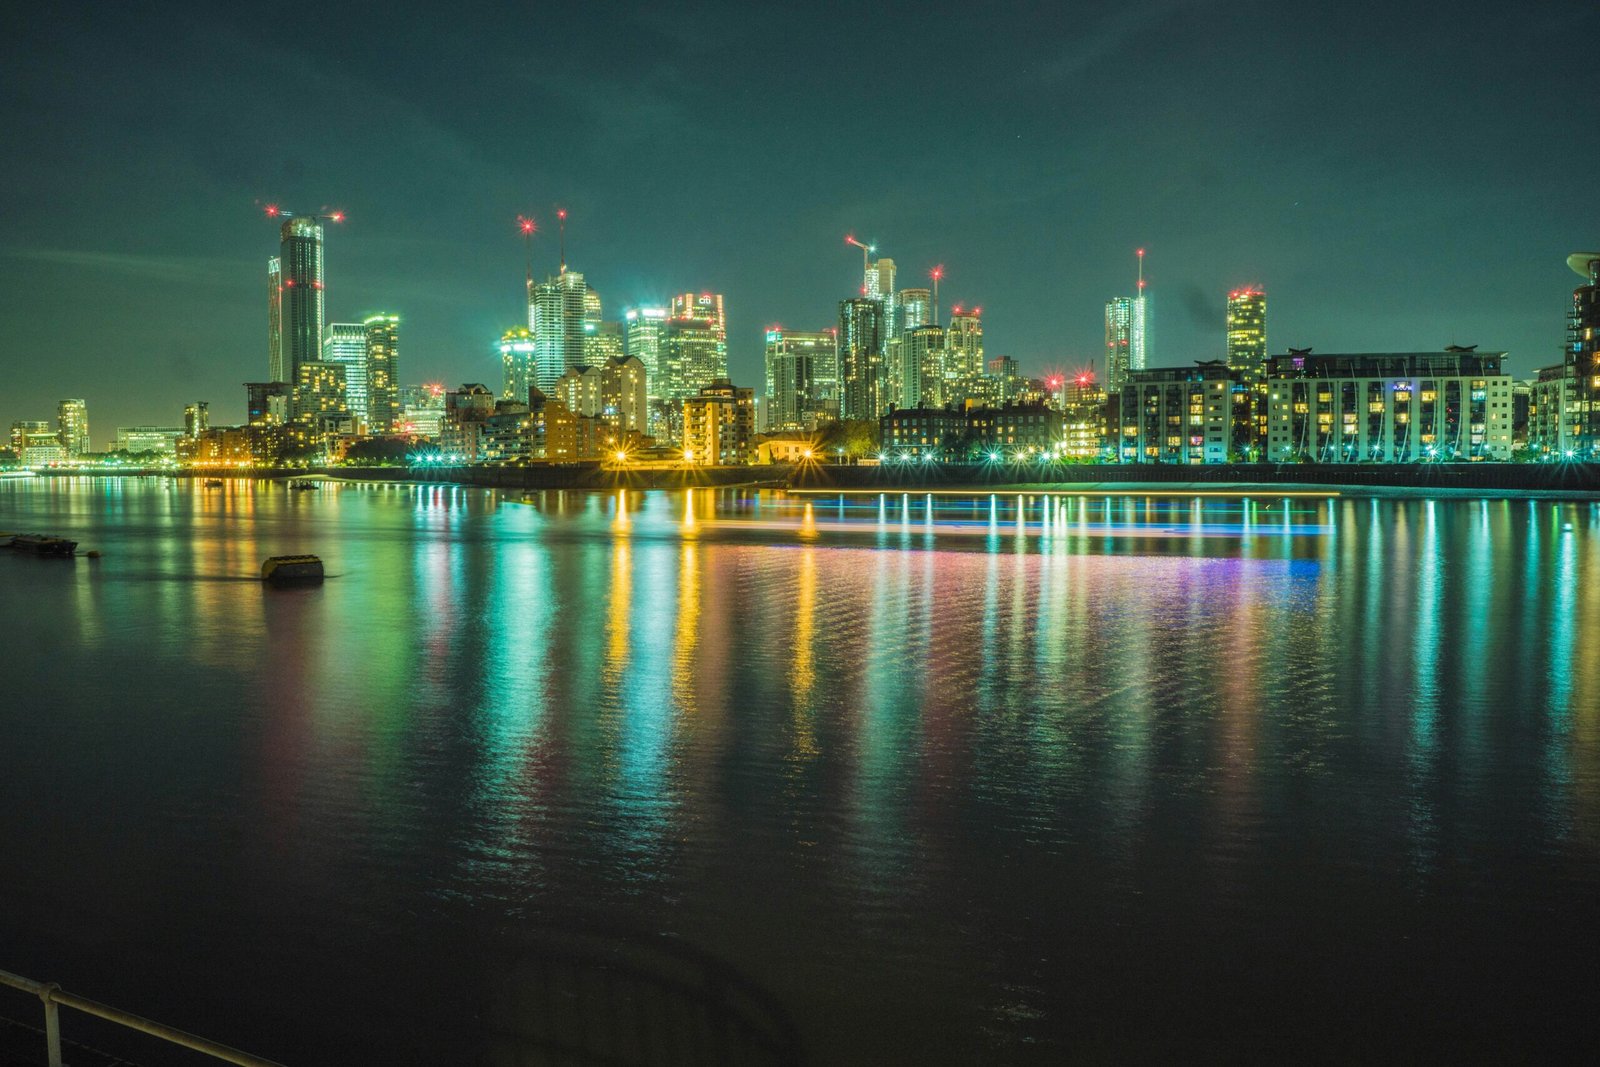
[(383, 372), (602, 341), (196, 419), (644, 328), (1138, 350), (275, 370), (881, 288), (860, 357), (913, 308), (1247, 330), (1119, 342), (707, 306), (1583, 354), (694, 354), (963, 345), (72, 423), (516, 360), (792, 358), (556, 319), (301, 315), (923, 357), (346, 343)]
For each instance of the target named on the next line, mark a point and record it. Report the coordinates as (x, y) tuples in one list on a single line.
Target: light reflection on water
[(951, 777)]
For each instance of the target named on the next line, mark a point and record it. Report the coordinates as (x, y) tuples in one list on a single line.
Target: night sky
[(1399, 177)]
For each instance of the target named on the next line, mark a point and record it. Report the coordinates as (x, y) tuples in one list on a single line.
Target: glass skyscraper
[(300, 300), (1119, 341), (72, 422), (793, 358), (644, 329), (556, 319), (515, 349), (275, 370), (860, 357), (346, 343)]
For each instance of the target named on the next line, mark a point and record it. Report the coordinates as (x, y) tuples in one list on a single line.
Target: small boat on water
[(304, 485), (292, 570), (212, 483), (44, 545)]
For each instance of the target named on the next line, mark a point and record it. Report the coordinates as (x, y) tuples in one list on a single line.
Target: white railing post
[(52, 1025)]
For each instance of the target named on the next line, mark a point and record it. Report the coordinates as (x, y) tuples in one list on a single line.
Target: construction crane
[(561, 220), (866, 262), (276, 212), (527, 227)]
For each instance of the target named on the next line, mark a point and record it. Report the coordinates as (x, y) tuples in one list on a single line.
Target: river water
[(665, 777)]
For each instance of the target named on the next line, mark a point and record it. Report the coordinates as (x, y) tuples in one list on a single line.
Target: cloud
[(1112, 32), (191, 270)]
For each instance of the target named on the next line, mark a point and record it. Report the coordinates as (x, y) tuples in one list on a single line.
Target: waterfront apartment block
[(1178, 414), (1554, 425), (1396, 407)]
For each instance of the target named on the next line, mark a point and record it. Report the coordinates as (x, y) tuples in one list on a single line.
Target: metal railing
[(55, 998)]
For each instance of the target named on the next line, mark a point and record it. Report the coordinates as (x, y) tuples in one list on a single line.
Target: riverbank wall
[(1576, 480)]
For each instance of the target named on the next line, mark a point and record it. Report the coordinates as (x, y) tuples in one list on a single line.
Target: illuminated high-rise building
[(707, 306), (319, 404), (1119, 342), (922, 355), (860, 357), (880, 287), (300, 314), (196, 419), (913, 308), (346, 343), (383, 372), (515, 349), (1247, 330), (793, 357), (1583, 357), (694, 354), (275, 370), (267, 403), (72, 426), (643, 332), (556, 319), (963, 345), (602, 341)]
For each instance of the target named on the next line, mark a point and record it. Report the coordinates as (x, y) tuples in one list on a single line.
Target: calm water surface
[(922, 778)]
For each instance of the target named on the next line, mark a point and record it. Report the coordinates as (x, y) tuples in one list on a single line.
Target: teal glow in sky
[(1398, 177)]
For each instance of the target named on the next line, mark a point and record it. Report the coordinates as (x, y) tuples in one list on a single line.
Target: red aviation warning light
[(526, 225), (273, 211)]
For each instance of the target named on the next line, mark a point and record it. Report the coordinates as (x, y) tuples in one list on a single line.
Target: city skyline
[(169, 249)]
